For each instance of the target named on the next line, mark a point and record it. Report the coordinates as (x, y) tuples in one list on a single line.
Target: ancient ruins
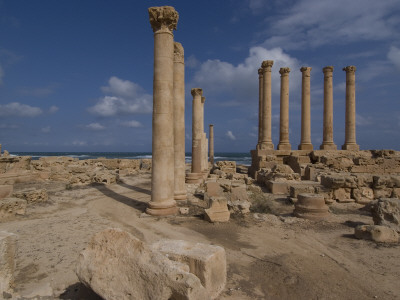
[(296, 224)]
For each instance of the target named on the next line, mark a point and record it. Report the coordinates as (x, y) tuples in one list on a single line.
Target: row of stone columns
[(168, 140), (264, 121)]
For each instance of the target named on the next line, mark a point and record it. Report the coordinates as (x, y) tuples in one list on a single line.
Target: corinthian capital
[(306, 71), (163, 18), (267, 65), (203, 99), (351, 69), (197, 92), (327, 69), (284, 71), (178, 53), (260, 71)]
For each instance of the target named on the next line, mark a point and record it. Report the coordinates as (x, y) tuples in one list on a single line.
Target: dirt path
[(267, 258)]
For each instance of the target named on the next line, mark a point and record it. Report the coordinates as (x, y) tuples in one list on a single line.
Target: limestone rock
[(239, 200), (7, 262), (212, 189), (10, 207), (363, 195), (386, 211), (33, 196), (5, 190), (227, 166), (207, 262), (116, 265), (377, 233), (218, 211)]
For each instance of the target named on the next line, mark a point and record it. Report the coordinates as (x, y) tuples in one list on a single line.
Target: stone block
[(376, 233), (207, 262), (227, 166), (338, 181), (33, 196), (212, 189), (10, 207), (342, 195), (218, 211), (129, 164), (5, 190), (116, 265), (386, 211), (7, 261), (383, 193), (239, 200), (363, 195), (145, 164), (277, 187), (302, 187)]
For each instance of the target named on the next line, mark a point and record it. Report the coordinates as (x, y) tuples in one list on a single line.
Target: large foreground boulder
[(386, 211), (116, 265)]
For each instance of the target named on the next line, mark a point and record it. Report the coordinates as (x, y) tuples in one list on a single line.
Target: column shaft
[(211, 145), (260, 106), (284, 143), (305, 143), (327, 143), (163, 21), (179, 123), (266, 140), (350, 133)]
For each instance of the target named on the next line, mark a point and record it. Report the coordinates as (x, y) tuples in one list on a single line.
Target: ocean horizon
[(241, 158)]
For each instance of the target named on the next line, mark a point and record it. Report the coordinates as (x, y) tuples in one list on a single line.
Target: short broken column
[(284, 143), (350, 133), (311, 206), (266, 139), (196, 176), (305, 143), (327, 143), (260, 106), (179, 123), (163, 20), (211, 145)]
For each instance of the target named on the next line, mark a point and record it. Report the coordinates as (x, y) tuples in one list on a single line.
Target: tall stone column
[(204, 166), (211, 145), (327, 143), (350, 136), (196, 176), (179, 123), (266, 140), (260, 106), (163, 20), (284, 143), (305, 143)]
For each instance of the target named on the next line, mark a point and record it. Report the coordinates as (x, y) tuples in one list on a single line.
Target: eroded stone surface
[(377, 233), (386, 211), (7, 262)]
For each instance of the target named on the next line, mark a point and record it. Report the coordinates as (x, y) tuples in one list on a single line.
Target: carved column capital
[(284, 71), (203, 99), (327, 69), (178, 53), (260, 72), (351, 69), (197, 92), (163, 18), (306, 71), (266, 65)]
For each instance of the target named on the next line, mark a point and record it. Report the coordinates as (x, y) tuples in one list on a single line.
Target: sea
[(239, 158)]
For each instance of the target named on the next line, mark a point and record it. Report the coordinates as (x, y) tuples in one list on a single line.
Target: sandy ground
[(268, 257)]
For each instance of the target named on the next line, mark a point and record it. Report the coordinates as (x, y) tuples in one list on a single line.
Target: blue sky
[(77, 75)]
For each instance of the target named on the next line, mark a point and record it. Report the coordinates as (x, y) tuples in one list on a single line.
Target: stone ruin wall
[(343, 176)]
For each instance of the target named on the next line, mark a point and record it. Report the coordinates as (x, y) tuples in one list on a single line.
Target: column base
[(284, 146), (328, 146), (180, 196), (306, 147), (265, 146), (194, 178), (353, 147), (164, 208)]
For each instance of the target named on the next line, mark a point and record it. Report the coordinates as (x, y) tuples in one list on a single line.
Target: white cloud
[(8, 126), (312, 23), (95, 126), (19, 110), (192, 62), (79, 143), (126, 98), (394, 56), (1, 75), (46, 129), (132, 124), (230, 135), (53, 109), (363, 121), (36, 92), (241, 81)]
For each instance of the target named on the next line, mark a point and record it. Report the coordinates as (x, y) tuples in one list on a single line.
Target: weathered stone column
[(196, 176), (350, 137), (260, 106), (327, 143), (284, 143), (179, 122), (266, 140), (211, 145), (305, 143), (163, 20), (204, 166)]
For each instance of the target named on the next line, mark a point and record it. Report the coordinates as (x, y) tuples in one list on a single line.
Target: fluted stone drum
[(311, 206)]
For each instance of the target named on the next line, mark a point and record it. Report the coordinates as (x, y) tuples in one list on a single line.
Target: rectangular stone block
[(218, 211), (342, 195), (277, 187), (7, 261), (10, 207), (207, 262), (303, 187)]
